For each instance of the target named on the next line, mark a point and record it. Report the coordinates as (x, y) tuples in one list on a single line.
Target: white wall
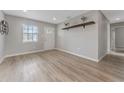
[(108, 38), (103, 30), (14, 43), (1, 39), (90, 43), (119, 37), (84, 43)]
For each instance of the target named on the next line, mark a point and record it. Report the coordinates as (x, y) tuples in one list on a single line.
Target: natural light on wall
[(30, 33)]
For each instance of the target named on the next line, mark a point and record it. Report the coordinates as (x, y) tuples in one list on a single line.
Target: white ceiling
[(114, 15), (61, 15), (46, 15)]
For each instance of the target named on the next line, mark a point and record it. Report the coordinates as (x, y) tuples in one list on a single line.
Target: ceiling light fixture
[(117, 18), (25, 10), (54, 18)]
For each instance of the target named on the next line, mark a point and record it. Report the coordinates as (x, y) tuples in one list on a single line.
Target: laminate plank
[(58, 66)]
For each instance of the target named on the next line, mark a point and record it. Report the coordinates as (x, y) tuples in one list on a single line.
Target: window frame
[(27, 33)]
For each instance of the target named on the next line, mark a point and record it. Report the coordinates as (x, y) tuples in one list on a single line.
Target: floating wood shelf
[(78, 25)]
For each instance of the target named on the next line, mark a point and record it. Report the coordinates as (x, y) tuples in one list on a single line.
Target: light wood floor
[(59, 66)]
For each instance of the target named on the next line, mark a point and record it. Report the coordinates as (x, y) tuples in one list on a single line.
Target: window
[(30, 33)]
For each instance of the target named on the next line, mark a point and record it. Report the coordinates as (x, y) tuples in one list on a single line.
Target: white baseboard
[(102, 56), (116, 53), (17, 54), (92, 59), (28, 52), (1, 59)]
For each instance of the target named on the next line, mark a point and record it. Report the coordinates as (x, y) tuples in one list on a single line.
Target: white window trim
[(29, 41)]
